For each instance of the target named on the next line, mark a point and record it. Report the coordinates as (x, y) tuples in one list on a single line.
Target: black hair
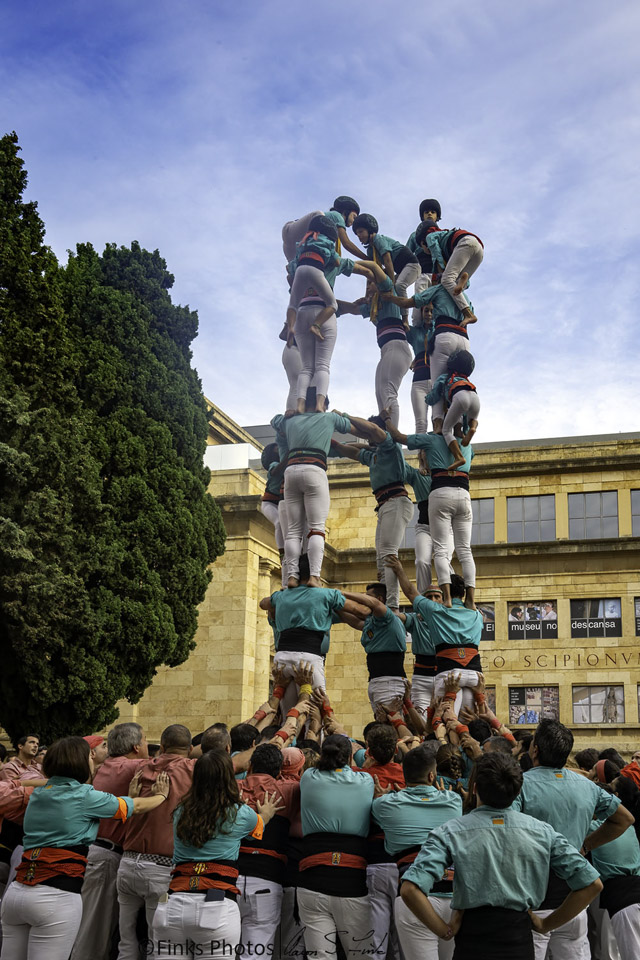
[(303, 567), (268, 733), (587, 758), (380, 590), (336, 753), (325, 226), (629, 795), (269, 455), (176, 737), (554, 742), (422, 230), (480, 729), (379, 422), (266, 758), (307, 744), (364, 221), (243, 736), (430, 205), (3, 753), (498, 779), (449, 761), (215, 738), (26, 736), (68, 757), (461, 362), (525, 761), (382, 744), (369, 727), (611, 754), (498, 745), (457, 586), (154, 749), (611, 771), (417, 763)]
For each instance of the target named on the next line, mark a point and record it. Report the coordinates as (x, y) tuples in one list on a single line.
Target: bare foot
[(461, 284), (292, 582), (315, 330), (290, 413), (458, 462), (468, 317), (314, 582), (468, 437)]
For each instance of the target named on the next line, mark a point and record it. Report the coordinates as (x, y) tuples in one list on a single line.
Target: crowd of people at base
[(438, 835)]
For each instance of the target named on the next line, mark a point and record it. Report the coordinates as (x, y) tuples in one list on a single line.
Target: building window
[(596, 618), (593, 516), (531, 519), (488, 611), (533, 619), (490, 693), (482, 529), (635, 513), (598, 704), (533, 704), (636, 604)]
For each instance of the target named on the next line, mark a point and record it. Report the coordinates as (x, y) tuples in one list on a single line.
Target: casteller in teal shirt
[(385, 634), (66, 813), (456, 625), (385, 461), (310, 431), (308, 607), (224, 844), (438, 453)]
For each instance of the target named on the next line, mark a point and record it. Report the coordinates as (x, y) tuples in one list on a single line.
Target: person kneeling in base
[(501, 861)]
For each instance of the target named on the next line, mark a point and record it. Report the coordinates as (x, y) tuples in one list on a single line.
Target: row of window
[(538, 619), (591, 704), (592, 516)]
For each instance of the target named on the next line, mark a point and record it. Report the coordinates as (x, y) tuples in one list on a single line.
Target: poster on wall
[(488, 611), (532, 704), (533, 619), (600, 617)]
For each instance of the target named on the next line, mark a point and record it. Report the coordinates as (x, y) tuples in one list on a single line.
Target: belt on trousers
[(108, 845), (151, 857), (333, 859), (389, 492), (310, 457)]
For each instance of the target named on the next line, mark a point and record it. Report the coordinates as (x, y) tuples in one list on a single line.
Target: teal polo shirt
[(384, 634), (66, 813), (224, 844), (308, 607), (438, 453), (456, 625), (336, 801), (420, 482), (619, 857), (386, 463), (408, 817), (566, 800), (501, 858), (310, 431), (443, 303), (421, 640)]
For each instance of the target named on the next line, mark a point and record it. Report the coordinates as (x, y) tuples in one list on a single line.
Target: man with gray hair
[(127, 750)]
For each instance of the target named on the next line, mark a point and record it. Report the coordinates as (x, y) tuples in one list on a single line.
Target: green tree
[(106, 528)]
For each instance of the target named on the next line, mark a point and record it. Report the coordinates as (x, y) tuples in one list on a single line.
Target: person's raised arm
[(371, 604), (378, 273), (345, 306), (618, 822), (393, 432), (403, 302), (349, 450), (349, 245), (355, 607), (296, 717), (266, 712), (407, 587), (352, 620), (366, 429)]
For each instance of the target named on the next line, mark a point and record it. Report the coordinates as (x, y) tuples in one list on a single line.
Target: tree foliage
[(106, 529)]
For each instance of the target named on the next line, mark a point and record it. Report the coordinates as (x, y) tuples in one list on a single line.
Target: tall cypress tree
[(106, 529)]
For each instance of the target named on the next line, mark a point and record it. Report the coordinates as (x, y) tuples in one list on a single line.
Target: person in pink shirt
[(145, 868), (99, 750), (23, 766), (127, 751)]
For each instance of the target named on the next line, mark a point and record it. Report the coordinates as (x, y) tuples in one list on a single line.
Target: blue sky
[(200, 127)]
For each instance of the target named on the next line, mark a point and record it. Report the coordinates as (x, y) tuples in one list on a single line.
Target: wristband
[(327, 709), (451, 695), (479, 696), (495, 723), (430, 712), (284, 736), (398, 723), (278, 693), (462, 728), (408, 704), (293, 713), (306, 688), (509, 737), (259, 715)]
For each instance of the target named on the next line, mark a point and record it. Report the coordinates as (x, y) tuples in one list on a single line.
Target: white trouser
[(382, 884), (187, 926), (445, 345), (292, 363), (422, 693), (407, 276), (419, 390), (450, 510), (626, 927), (465, 402), (395, 360), (422, 283), (306, 496), (99, 905), (260, 903), (39, 923), (270, 510), (307, 276), (568, 942), (294, 230), (291, 659), (466, 679), (393, 517), (605, 946), (466, 257), (417, 942), (385, 689), (324, 916), (290, 936), (424, 551), (315, 354), (140, 883)]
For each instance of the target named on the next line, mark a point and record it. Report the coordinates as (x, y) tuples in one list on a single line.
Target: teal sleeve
[(341, 424), (246, 820), (383, 245), (385, 286), (365, 456), (571, 865), (388, 443), (431, 863), (425, 296), (424, 606), (606, 805), (345, 267), (419, 441), (104, 805), (517, 803), (337, 218), (337, 600)]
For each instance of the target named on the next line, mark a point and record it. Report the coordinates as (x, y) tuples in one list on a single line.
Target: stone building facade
[(557, 531)]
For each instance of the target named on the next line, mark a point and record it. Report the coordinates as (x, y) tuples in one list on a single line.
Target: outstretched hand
[(452, 683), (303, 674)]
